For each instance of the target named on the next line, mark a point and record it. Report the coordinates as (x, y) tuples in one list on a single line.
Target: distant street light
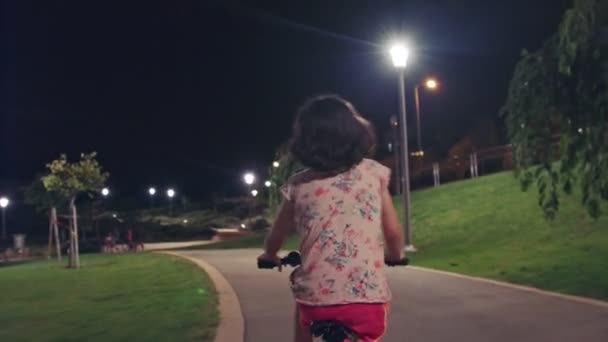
[(170, 194), (267, 183), (105, 192), (152, 193), (254, 193), (4, 202), (400, 55), (249, 179), (431, 84), (275, 164)]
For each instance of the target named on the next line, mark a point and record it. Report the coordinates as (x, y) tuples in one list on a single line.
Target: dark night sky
[(192, 93)]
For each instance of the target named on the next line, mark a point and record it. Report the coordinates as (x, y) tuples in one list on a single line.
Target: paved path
[(157, 246), (427, 307)]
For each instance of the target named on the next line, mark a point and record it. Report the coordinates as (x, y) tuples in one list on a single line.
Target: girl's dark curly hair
[(329, 135)]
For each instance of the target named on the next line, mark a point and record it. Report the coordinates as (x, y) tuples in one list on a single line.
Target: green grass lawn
[(128, 297), (487, 227)]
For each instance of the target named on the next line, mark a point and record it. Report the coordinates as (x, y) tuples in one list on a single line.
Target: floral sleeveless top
[(339, 220)]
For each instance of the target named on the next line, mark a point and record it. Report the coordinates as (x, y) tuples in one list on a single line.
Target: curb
[(232, 325), (572, 298)]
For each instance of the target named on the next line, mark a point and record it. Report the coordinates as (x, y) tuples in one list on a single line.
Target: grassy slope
[(487, 227), (135, 297)]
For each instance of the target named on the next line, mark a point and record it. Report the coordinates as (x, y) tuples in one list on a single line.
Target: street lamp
[(4, 202), (249, 179), (170, 194), (400, 54), (275, 164), (431, 84), (254, 193), (105, 192), (152, 193), (267, 183)]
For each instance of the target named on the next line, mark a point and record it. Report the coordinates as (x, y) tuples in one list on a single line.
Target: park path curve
[(427, 306)]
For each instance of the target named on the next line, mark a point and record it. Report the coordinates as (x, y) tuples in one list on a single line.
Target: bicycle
[(329, 330)]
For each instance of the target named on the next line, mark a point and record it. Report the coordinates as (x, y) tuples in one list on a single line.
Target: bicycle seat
[(331, 331)]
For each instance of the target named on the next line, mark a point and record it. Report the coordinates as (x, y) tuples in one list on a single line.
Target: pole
[(436, 180), (170, 206), (56, 231), (3, 223), (405, 165), (398, 181), (418, 130), (250, 207)]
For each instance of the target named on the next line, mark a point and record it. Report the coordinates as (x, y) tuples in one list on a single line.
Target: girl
[(342, 209)]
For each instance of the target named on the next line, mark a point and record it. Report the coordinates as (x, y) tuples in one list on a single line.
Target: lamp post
[(152, 193), (395, 127), (400, 54), (170, 194), (249, 179), (4, 202), (429, 84)]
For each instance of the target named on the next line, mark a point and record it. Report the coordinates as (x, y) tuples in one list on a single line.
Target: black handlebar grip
[(292, 259), (402, 262), (266, 264)]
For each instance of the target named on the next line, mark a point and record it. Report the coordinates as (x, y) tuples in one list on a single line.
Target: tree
[(279, 175), (68, 180), (46, 202), (560, 92)]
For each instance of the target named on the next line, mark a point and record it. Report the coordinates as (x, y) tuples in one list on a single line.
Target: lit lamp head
[(275, 164), (431, 84), (399, 54), (4, 202), (171, 193), (152, 191), (254, 193), (267, 184), (105, 192), (249, 178)]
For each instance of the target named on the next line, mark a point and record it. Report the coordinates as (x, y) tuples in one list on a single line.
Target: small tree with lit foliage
[(69, 180)]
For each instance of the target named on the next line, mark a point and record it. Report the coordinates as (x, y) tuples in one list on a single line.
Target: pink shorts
[(367, 320)]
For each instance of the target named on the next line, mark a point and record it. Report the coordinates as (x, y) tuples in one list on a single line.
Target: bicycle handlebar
[(294, 259)]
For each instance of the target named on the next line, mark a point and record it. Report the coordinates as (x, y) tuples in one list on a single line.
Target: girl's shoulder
[(375, 169), (289, 188), (300, 177), (374, 166)]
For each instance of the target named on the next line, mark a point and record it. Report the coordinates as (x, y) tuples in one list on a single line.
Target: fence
[(458, 167)]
